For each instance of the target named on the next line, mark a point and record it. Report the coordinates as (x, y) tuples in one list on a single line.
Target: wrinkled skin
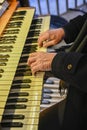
[(51, 37), (40, 61)]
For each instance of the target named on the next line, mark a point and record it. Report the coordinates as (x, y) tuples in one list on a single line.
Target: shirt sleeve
[(72, 68), (73, 28)]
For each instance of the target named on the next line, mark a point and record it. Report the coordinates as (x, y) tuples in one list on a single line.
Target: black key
[(32, 40), (17, 18), (14, 31), (46, 96), (6, 47), (21, 66), (11, 124), (8, 42), (18, 86), (35, 27), (4, 56), (8, 37), (3, 59), (5, 50), (19, 13), (14, 25), (2, 64), (33, 33), (49, 81), (18, 94), (27, 73), (23, 59), (37, 21), (45, 102), (14, 100), (0, 75), (23, 69), (28, 49), (17, 106), (22, 81), (1, 70), (10, 116), (46, 90)]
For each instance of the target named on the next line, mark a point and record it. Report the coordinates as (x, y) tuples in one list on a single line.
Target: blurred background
[(65, 8)]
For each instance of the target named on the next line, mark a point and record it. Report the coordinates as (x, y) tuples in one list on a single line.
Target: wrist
[(62, 32)]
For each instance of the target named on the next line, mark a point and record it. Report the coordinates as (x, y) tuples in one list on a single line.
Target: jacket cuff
[(65, 64)]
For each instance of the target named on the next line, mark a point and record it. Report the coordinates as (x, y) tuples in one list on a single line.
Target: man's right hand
[(51, 37)]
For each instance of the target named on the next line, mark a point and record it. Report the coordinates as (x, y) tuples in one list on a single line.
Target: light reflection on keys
[(51, 92), (10, 41), (23, 103)]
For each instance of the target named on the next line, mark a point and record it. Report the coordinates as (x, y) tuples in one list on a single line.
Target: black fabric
[(73, 28), (75, 116), (50, 117)]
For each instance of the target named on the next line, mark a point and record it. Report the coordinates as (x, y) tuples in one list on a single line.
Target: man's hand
[(51, 37), (40, 61)]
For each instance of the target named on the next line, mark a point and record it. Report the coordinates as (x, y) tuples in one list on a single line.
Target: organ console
[(20, 91)]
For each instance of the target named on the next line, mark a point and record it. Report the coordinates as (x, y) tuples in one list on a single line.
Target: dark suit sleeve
[(73, 28), (72, 68)]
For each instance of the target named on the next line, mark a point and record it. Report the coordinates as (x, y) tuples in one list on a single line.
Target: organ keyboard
[(20, 91)]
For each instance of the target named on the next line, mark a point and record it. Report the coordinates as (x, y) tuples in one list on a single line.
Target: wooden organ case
[(20, 91)]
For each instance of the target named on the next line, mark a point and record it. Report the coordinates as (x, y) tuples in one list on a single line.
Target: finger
[(33, 64), (38, 67), (35, 69), (30, 61), (41, 39), (32, 54), (49, 43)]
